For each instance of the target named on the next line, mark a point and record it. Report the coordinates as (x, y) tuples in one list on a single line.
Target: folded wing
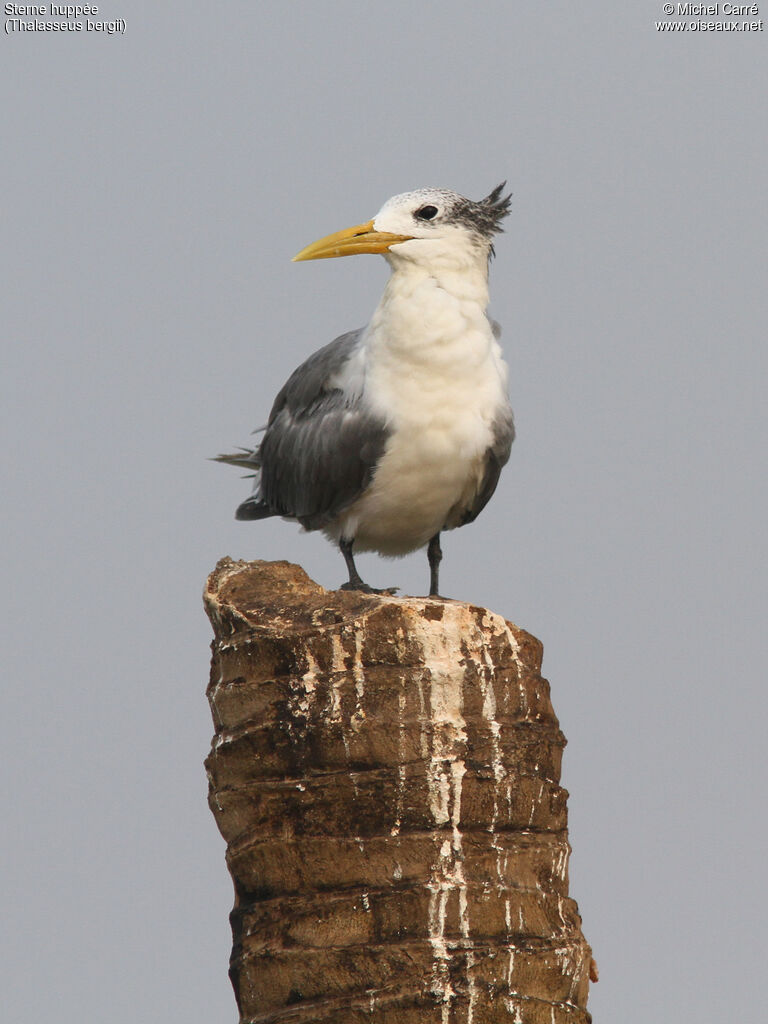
[(320, 447)]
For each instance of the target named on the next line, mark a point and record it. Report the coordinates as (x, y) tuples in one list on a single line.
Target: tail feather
[(253, 507), (244, 457)]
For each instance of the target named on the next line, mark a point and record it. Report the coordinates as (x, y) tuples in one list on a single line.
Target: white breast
[(434, 371)]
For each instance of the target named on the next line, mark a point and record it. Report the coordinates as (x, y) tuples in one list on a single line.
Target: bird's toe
[(363, 588)]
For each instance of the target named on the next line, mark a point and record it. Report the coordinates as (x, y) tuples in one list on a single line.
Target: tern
[(397, 431)]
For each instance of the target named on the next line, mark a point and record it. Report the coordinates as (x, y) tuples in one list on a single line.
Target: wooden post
[(385, 772)]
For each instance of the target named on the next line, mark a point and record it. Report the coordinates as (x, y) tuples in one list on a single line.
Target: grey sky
[(155, 186)]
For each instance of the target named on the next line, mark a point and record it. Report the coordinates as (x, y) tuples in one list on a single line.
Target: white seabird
[(399, 430)]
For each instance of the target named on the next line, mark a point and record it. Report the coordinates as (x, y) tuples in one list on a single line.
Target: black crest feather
[(497, 205), (486, 215)]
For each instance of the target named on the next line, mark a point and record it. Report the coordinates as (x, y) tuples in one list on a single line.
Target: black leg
[(434, 554), (355, 583)]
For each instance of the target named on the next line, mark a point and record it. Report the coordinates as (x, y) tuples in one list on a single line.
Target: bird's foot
[(363, 588)]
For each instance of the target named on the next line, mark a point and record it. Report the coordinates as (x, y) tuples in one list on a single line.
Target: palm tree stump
[(385, 772)]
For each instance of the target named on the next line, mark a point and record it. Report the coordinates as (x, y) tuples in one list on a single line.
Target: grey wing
[(321, 445), (495, 459)]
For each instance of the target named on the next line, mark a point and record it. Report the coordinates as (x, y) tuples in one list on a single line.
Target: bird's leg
[(355, 582), (434, 554)]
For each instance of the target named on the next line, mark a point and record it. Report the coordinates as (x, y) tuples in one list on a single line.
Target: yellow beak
[(350, 242)]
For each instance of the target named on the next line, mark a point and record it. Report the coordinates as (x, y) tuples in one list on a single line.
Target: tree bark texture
[(385, 772)]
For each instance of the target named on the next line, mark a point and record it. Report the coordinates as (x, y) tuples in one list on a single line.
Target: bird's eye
[(426, 213)]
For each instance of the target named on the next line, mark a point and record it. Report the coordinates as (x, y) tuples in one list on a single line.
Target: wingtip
[(253, 508)]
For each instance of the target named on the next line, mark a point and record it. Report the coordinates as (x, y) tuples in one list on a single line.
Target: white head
[(441, 226), (430, 226)]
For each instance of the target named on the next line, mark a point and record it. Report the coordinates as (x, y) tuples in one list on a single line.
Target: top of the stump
[(247, 597)]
